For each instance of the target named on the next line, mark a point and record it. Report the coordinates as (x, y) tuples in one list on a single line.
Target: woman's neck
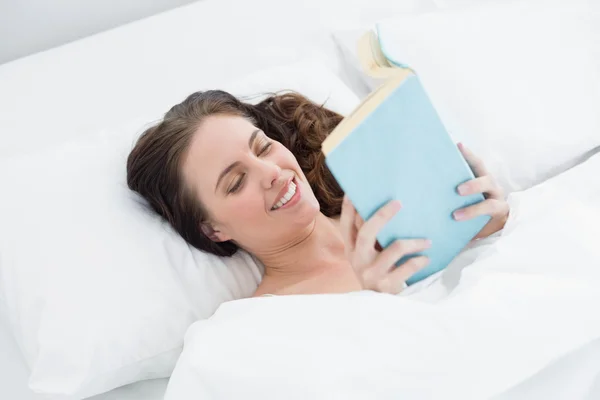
[(314, 262)]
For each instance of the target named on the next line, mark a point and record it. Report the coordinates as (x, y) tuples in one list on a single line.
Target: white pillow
[(518, 82), (326, 87), (99, 291), (466, 3), (346, 34), (147, 65)]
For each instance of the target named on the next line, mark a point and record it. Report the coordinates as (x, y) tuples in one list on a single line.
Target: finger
[(491, 207), (394, 282), (358, 222), (483, 184), (366, 236), (476, 164), (347, 219), (398, 249)]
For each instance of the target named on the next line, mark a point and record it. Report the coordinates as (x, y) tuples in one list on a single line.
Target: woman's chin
[(309, 217), (312, 204), (302, 214)]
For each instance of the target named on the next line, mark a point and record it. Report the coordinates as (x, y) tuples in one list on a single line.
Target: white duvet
[(522, 322)]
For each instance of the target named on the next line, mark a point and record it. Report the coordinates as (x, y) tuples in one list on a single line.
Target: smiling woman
[(230, 175), (240, 177), (211, 154)]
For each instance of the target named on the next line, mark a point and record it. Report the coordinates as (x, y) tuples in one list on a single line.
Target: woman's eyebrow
[(235, 164), (225, 172), (252, 137)]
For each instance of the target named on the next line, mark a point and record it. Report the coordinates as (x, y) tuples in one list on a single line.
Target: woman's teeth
[(286, 197)]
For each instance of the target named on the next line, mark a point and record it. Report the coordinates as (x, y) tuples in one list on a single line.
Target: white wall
[(29, 26)]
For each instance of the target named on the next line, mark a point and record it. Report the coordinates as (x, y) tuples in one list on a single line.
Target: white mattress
[(140, 70)]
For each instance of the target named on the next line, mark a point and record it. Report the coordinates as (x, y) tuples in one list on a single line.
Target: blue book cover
[(395, 147)]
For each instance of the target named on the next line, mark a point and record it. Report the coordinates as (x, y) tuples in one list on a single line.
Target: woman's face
[(251, 186)]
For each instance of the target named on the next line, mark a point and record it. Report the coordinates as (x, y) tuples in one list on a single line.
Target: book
[(394, 146)]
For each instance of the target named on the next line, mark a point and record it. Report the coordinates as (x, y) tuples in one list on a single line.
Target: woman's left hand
[(494, 204)]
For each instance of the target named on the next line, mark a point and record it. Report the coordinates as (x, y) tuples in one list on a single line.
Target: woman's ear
[(213, 234)]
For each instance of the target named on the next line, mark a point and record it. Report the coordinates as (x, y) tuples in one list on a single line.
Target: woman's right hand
[(377, 269)]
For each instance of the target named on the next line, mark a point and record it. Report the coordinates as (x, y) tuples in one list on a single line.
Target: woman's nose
[(270, 172)]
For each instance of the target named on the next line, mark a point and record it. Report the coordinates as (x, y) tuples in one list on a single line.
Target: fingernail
[(462, 189), (396, 205), (458, 215), (428, 243)]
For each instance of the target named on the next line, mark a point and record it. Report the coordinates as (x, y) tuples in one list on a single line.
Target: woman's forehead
[(215, 145), (222, 128)]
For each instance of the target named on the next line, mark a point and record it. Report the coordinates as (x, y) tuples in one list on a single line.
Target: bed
[(141, 69), (133, 73)]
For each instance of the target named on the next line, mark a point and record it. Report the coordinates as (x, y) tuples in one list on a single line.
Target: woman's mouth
[(289, 197)]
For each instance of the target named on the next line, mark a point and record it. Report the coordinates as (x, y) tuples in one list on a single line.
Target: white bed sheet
[(140, 69)]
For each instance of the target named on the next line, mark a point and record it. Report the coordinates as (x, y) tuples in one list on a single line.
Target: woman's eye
[(265, 149), (237, 185)]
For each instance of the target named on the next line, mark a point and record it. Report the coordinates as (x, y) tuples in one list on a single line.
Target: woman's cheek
[(248, 206)]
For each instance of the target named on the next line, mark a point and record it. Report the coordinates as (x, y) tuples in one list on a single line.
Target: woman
[(229, 175)]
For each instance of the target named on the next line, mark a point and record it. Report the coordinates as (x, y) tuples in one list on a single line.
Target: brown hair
[(154, 164)]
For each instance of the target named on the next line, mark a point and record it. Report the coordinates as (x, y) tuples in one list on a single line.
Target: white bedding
[(145, 67), (141, 69), (127, 73), (522, 323), (14, 375)]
